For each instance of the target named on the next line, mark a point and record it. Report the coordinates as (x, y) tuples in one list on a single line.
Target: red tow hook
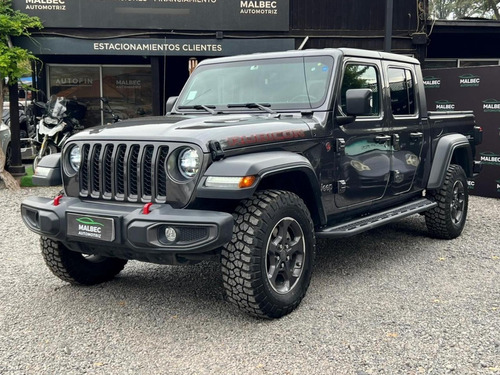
[(57, 200), (147, 208)]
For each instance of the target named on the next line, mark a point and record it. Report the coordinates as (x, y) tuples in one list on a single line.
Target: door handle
[(382, 138), (417, 135)]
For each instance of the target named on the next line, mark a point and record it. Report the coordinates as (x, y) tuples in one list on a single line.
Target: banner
[(151, 46), (472, 88), (215, 15)]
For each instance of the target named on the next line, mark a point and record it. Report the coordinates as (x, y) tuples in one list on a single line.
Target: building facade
[(462, 43), (137, 53)]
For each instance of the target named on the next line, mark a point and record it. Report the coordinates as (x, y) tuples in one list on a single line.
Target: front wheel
[(447, 219), (48, 149), (77, 268), (267, 266)]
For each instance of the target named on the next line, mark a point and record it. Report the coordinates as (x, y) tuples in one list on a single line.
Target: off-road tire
[(76, 268), (447, 219), (264, 272)]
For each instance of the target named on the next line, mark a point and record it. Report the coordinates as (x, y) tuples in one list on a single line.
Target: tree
[(13, 59), (456, 9)]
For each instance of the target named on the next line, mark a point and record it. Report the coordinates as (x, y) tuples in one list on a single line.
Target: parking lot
[(390, 301)]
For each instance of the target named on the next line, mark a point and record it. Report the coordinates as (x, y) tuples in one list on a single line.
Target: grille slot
[(131, 173)]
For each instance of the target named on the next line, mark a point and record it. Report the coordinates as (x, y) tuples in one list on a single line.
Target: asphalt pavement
[(389, 301)]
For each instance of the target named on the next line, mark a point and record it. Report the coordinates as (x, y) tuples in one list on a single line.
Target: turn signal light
[(246, 182), (230, 182)]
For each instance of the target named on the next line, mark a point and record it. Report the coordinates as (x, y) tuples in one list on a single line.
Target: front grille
[(124, 172)]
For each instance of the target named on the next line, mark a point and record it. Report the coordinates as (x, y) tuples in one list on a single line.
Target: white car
[(5, 143)]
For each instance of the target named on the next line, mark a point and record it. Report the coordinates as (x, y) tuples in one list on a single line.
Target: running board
[(363, 224)]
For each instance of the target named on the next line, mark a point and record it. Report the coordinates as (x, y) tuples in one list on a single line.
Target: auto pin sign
[(93, 227)]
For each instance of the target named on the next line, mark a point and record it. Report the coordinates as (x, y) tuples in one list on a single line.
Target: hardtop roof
[(334, 52)]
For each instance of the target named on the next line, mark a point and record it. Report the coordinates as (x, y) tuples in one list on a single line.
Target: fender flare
[(262, 165), (48, 171), (445, 149)]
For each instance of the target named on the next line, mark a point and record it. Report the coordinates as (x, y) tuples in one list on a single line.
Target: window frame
[(405, 68), (380, 81)]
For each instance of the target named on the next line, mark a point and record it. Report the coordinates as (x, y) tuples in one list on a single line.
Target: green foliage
[(27, 181), (456, 9), (11, 62), (14, 23)]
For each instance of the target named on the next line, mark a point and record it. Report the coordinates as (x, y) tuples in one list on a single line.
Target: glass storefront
[(127, 88)]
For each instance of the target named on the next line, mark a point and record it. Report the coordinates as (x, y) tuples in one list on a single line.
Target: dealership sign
[(476, 89), (151, 46), (216, 15)]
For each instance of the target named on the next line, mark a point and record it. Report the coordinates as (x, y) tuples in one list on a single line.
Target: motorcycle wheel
[(49, 150)]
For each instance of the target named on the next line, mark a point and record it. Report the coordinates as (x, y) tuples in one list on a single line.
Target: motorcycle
[(109, 110), (60, 120)]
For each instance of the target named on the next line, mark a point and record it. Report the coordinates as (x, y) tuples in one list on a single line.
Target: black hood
[(231, 130)]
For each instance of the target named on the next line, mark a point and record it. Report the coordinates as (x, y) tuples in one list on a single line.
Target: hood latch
[(216, 150)]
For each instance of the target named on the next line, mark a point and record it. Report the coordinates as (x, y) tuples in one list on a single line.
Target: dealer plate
[(91, 227)]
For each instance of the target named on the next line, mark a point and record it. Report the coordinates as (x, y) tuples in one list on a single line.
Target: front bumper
[(126, 228)]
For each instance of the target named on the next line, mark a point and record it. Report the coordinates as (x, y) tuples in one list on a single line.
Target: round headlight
[(189, 162), (75, 158)]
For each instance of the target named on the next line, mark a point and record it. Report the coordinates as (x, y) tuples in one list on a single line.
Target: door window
[(401, 85), (361, 76)]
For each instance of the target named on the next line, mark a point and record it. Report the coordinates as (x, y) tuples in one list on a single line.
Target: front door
[(363, 167)]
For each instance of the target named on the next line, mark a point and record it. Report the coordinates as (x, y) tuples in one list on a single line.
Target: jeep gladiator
[(258, 156)]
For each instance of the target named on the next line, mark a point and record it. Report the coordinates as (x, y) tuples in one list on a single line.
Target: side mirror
[(170, 103), (359, 102)]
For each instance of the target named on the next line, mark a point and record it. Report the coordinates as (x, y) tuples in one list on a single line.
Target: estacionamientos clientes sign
[(216, 15)]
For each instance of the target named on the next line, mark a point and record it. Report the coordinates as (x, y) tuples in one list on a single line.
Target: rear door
[(406, 122)]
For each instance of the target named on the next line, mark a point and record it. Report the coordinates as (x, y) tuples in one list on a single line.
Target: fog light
[(170, 234)]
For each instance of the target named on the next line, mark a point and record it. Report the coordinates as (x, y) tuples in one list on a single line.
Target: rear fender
[(452, 148)]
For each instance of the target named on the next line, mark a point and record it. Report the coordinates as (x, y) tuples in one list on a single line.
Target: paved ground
[(391, 301)]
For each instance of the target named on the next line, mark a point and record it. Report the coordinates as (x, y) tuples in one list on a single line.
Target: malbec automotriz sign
[(472, 88), (216, 15)]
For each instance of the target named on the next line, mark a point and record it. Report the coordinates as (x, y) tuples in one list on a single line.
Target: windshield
[(284, 83), (57, 106)]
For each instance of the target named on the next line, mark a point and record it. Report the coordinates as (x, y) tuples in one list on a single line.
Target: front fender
[(258, 164), (266, 166), (452, 147), (48, 171)]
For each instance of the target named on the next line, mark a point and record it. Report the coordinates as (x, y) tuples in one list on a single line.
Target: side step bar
[(363, 224)]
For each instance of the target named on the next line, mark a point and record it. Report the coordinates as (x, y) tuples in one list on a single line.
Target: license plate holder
[(90, 227)]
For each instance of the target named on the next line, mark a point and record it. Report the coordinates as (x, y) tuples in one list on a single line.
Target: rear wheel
[(267, 266), (447, 219), (77, 268)]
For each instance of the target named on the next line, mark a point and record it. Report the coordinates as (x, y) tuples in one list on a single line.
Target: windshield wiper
[(262, 106), (208, 108)]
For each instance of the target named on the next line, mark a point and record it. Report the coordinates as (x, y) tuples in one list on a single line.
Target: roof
[(334, 52)]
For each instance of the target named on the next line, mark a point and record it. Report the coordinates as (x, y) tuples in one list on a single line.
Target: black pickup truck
[(257, 157)]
